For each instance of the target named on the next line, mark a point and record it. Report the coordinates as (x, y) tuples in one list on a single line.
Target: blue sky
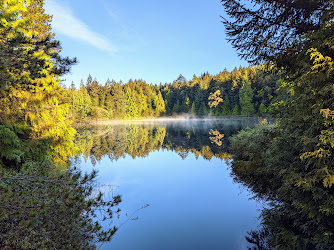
[(153, 40)]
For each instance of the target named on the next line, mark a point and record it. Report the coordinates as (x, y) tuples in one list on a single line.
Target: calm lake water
[(181, 169)]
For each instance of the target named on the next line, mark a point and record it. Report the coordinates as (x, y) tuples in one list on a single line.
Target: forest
[(289, 164), (47, 203), (243, 91)]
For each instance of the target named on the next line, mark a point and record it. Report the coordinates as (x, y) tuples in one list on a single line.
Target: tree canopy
[(43, 203), (265, 30), (290, 164)]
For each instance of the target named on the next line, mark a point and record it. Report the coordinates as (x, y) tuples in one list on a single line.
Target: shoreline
[(164, 119)]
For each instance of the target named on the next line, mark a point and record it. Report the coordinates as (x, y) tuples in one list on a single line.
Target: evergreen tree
[(236, 110), (31, 89), (83, 105), (278, 33), (193, 109), (226, 107), (176, 108), (246, 98), (131, 104), (181, 79), (119, 98), (42, 205), (291, 163), (159, 105), (203, 110), (262, 109)]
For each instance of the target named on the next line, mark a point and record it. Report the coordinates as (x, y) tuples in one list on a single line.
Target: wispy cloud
[(131, 38), (66, 23)]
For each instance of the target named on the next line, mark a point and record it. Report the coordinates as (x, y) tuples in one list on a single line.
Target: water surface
[(181, 169)]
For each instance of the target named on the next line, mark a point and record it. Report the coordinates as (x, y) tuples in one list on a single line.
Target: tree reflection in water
[(138, 140)]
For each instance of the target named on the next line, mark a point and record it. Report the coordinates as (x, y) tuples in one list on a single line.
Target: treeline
[(114, 100), (243, 91)]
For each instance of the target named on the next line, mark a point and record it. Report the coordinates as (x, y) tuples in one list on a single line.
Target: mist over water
[(186, 121)]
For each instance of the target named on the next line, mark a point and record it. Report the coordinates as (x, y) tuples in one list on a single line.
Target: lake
[(181, 170)]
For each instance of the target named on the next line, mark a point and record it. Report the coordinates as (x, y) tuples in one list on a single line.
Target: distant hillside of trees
[(243, 91)]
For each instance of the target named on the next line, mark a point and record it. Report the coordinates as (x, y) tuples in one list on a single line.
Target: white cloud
[(66, 23)]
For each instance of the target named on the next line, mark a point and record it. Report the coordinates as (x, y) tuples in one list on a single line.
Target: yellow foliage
[(320, 62), (320, 153), (327, 113)]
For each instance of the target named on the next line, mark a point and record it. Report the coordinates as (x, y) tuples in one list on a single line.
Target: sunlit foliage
[(291, 163), (135, 99), (240, 92), (43, 204)]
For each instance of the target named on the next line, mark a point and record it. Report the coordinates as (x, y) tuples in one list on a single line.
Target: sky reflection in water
[(194, 203)]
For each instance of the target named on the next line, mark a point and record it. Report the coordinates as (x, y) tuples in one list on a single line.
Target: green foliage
[(203, 110), (246, 98), (81, 104), (158, 104), (290, 164), (279, 32), (226, 107), (11, 146), (115, 100), (29, 91), (236, 110), (176, 108), (250, 149), (217, 95), (43, 204), (131, 104), (52, 209), (193, 109), (262, 109), (222, 93)]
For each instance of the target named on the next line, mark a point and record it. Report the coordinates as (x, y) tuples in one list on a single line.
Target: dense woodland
[(244, 91), (289, 164), (46, 203)]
